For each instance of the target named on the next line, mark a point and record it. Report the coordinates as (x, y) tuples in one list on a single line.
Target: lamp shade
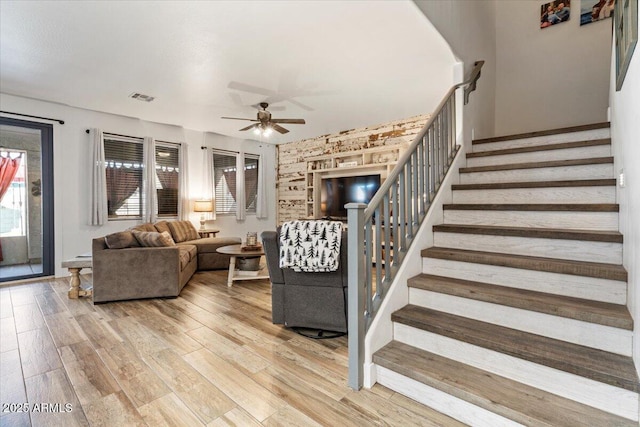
[(203, 206)]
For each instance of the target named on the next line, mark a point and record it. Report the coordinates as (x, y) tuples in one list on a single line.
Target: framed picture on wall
[(595, 10), (554, 12), (626, 30)]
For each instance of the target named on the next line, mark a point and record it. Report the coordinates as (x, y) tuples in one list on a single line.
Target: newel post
[(356, 292)]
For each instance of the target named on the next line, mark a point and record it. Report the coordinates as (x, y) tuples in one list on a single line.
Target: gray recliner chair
[(307, 300)]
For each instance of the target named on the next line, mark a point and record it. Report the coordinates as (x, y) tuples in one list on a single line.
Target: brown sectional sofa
[(123, 269)]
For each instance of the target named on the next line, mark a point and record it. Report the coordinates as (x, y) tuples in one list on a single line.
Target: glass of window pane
[(124, 161), (167, 173)]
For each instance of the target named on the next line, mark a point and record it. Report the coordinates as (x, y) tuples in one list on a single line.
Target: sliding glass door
[(26, 199)]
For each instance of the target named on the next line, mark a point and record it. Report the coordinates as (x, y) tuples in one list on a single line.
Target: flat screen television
[(337, 192)]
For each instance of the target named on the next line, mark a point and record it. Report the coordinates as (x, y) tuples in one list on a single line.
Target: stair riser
[(596, 194), (604, 221), (459, 409), (601, 171), (542, 156), (576, 250), (601, 337), (590, 288), (587, 135), (599, 395)]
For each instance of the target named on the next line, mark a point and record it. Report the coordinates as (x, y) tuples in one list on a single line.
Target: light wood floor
[(210, 357)]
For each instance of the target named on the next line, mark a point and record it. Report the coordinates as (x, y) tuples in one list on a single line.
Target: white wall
[(552, 77), (469, 28), (71, 168), (625, 133)]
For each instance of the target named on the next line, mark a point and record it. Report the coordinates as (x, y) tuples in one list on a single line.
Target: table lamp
[(203, 206)]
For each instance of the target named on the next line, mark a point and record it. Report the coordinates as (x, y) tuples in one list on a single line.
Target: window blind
[(251, 181), (167, 178), (224, 171), (124, 169)]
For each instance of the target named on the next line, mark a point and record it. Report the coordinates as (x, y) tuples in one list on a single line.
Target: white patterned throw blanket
[(310, 246)]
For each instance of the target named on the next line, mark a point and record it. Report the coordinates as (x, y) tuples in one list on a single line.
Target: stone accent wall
[(292, 163)]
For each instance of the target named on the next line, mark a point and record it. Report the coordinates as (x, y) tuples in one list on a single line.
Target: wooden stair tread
[(540, 233), (598, 365), (543, 147), (555, 207), (537, 184), (597, 312), (535, 165), (510, 399), (552, 265), (558, 131)]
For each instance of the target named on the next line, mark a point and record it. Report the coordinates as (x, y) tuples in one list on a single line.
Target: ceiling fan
[(265, 124)]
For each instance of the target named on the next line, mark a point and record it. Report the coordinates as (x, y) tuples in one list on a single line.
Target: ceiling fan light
[(263, 124)]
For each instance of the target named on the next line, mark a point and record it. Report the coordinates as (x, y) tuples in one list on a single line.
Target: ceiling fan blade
[(250, 127), (300, 104), (290, 121), (250, 88), (235, 97), (238, 118), (279, 128)]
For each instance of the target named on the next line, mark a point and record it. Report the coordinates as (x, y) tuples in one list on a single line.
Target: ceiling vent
[(141, 97)]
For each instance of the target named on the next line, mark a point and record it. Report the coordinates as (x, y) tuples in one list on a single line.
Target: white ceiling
[(337, 64)]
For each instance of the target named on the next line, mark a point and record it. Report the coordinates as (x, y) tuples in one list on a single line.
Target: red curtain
[(122, 183), (8, 169)]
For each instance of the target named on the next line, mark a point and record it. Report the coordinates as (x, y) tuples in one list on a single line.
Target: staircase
[(520, 316)]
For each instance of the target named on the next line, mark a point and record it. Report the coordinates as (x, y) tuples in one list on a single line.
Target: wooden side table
[(236, 252), (75, 265), (209, 232)]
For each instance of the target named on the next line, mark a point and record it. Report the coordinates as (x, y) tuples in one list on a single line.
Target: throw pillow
[(120, 240), (147, 226), (153, 238), (183, 231), (162, 226)]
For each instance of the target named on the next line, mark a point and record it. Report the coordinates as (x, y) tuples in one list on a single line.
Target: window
[(251, 182), (124, 170), (167, 178), (226, 176), (13, 199)]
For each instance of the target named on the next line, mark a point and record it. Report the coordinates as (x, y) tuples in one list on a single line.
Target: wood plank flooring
[(608, 368), (615, 315), (543, 133), (545, 147), (516, 401), (209, 357), (551, 265), (537, 165)]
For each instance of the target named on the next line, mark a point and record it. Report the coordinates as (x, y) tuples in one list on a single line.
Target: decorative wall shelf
[(370, 161)]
